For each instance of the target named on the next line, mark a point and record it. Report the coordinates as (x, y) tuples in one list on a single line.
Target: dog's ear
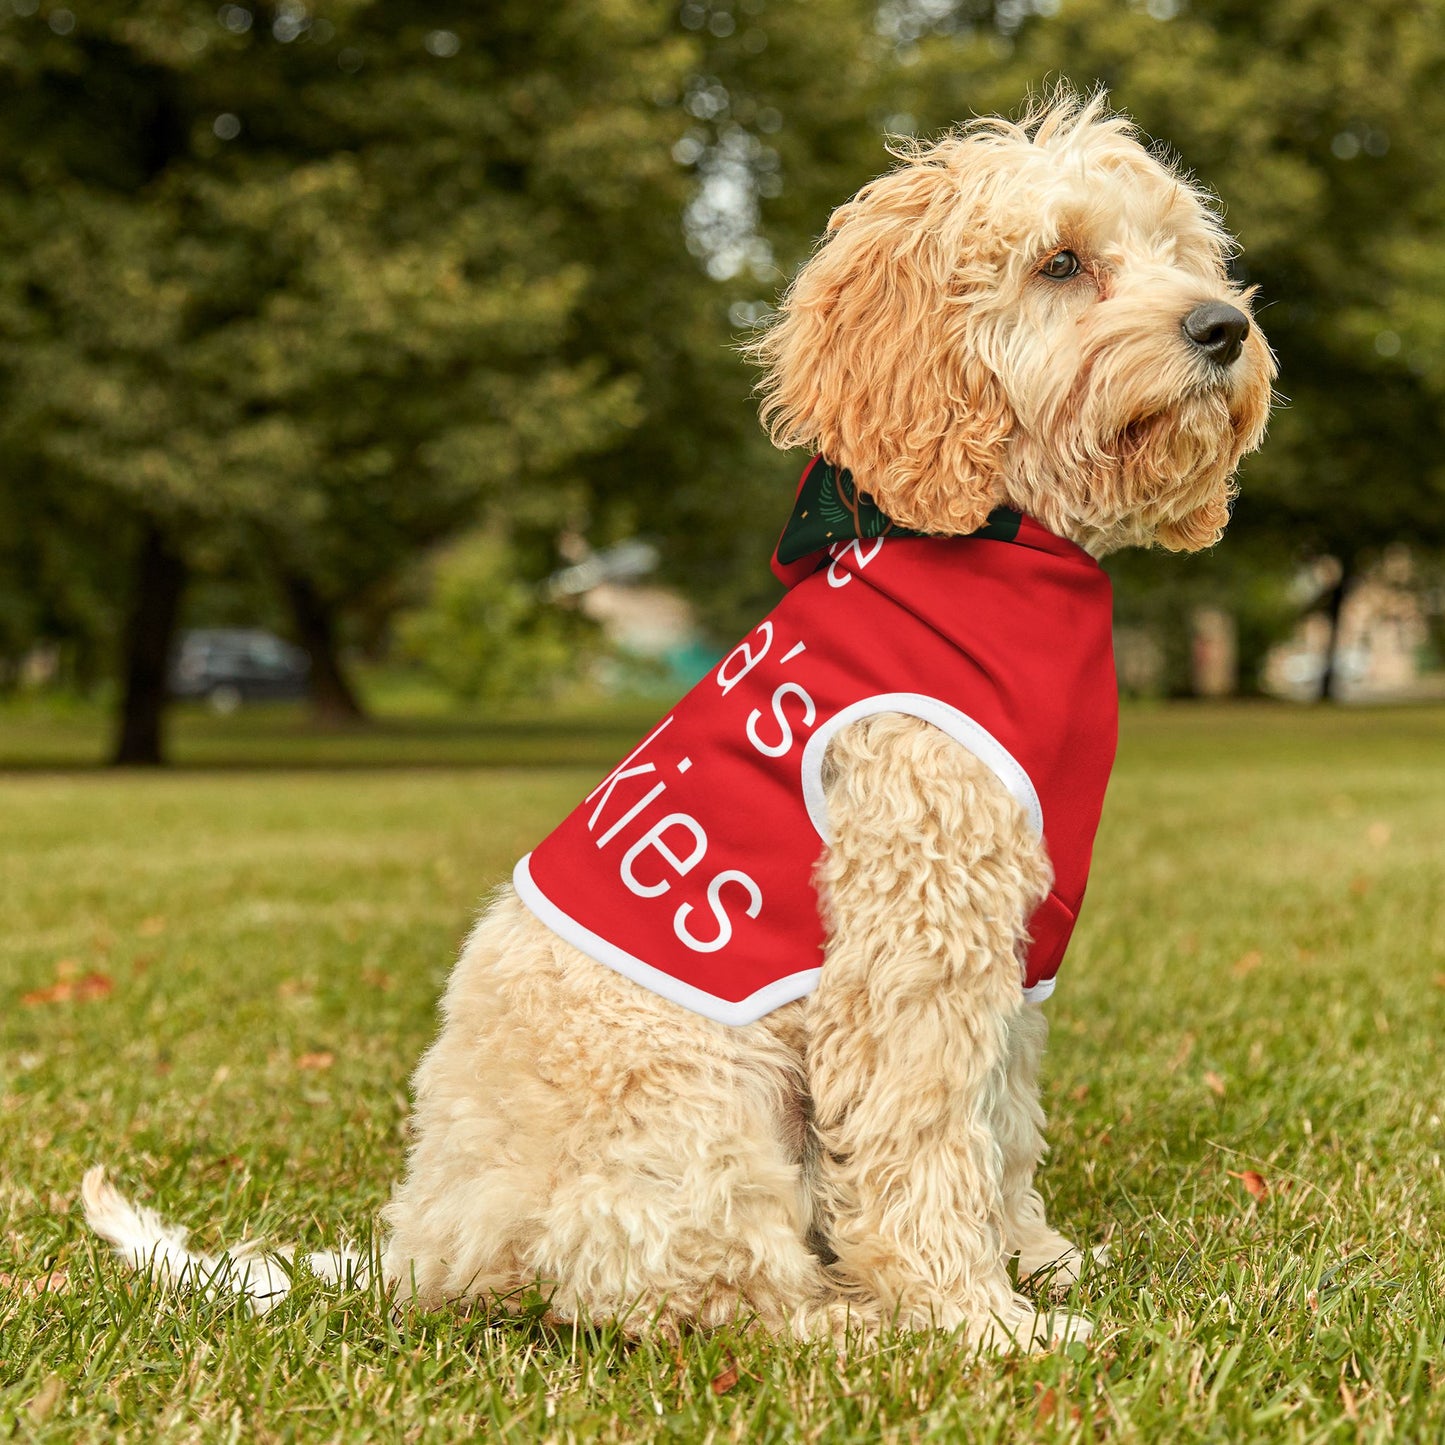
[(873, 359)]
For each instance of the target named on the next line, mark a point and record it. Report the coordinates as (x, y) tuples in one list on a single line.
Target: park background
[(360, 327), (408, 333)]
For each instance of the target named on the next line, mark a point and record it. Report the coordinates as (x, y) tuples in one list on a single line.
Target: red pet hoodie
[(689, 867)]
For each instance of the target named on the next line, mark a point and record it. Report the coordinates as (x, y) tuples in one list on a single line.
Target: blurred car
[(228, 666)]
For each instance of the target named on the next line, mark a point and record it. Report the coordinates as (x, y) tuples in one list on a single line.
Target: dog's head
[(1033, 314)]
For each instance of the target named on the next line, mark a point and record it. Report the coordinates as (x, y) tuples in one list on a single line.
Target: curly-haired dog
[(1018, 350)]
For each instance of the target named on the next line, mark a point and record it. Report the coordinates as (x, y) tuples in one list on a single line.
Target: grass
[(230, 973), (409, 728)]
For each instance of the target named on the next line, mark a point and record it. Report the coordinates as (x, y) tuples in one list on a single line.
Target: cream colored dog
[(1034, 315)]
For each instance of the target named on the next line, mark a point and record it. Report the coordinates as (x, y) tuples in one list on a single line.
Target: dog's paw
[(1058, 1271), (1060, 1327), (1023, 1326)]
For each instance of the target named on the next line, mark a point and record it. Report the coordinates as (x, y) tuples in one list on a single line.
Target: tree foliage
[(320, 287), (485, 633), (306, 290)]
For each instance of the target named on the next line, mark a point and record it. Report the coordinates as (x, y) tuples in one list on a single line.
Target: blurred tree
[(486, 634), (306, 282), (58, 570), (783, 108), (329, 283), (325, 284)]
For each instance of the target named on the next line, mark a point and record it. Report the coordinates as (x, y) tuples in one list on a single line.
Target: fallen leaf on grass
[(1079, 1094), (1378, 834), (377, 978), (151, 927), (1255, 1184), (1214, 1083), (1181, 1054), (724, 1382), (1248, 962), (1046, 1407), (67, 990), (1440, 980), (56, 1282), (322, 1059)]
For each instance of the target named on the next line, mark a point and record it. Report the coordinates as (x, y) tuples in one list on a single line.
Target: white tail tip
[(148, 1244)]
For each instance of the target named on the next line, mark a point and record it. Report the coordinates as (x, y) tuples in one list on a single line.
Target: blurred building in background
[(1383, 648), (653, 634)]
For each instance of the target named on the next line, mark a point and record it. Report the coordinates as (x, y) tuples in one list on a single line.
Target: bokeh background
[(406, 335)]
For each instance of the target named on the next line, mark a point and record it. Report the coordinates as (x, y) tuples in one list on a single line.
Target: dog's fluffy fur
[(864, 1156)]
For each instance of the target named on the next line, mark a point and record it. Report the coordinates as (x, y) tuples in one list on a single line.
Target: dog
[(699, 1064)]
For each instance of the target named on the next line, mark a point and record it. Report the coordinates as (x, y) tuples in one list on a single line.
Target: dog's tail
[(147, 1243)]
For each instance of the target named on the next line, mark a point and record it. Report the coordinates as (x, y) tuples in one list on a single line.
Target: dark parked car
[(231, 665)]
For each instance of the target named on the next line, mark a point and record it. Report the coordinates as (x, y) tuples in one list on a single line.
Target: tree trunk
[(1329, 676), (333, 699), (160, 578)]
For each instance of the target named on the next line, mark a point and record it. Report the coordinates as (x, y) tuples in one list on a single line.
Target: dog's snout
[(1218, 330)]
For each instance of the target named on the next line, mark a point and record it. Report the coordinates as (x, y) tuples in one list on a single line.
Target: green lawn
[(252, 957)]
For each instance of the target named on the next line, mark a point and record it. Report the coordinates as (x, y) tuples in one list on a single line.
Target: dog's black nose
[(1218, 330)]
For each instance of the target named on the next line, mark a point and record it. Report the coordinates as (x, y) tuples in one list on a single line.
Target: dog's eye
[(1060, 266)]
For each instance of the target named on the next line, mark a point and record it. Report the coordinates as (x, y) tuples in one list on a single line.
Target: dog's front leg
[(927, 884), (1042, 1251)]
